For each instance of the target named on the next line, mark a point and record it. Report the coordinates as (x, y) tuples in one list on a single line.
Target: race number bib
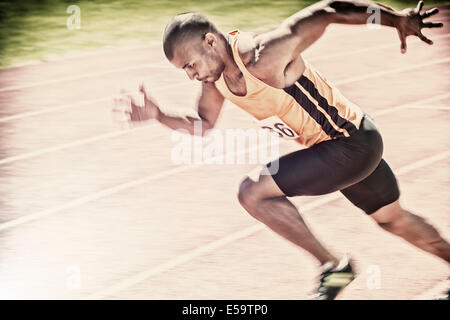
[(278, 127)]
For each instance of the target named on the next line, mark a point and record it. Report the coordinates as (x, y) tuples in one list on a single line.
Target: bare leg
[(413, 229), (267, 203)]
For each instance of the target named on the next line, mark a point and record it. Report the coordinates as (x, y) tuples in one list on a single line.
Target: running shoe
[(333, 280)]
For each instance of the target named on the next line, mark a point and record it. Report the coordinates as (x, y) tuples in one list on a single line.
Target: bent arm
[(209, 105)]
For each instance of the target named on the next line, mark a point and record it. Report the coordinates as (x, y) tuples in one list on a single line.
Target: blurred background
[(92, 210), (36, 30)]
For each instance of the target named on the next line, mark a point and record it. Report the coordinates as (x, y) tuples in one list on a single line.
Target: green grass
[(37, 31)]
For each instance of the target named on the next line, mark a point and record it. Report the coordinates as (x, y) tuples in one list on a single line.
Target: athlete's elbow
[(339, 5), (206, 128), (327, 8), (332, 11), (201, 128), (346, 11)]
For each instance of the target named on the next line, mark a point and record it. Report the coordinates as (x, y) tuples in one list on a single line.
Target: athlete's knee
[(392, 217), (400, 221), (394, 226), (248, 193)]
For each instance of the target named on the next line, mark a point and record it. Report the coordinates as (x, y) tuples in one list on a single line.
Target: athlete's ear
[(210, 40)]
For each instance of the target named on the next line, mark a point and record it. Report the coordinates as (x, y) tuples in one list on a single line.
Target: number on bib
[(277, 126)]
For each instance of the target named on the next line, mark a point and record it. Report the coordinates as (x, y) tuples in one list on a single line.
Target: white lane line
[(74, 144), (110, 191), (86, 75), (120, 187), (87, 102), (216, 244), (179, 260), (396, 70), (437, 107), (120, 133), (410, 105), (81, 103), (53, 109), (423, 163), (78, 56), (378, 47), (195, 253), (91, 197)]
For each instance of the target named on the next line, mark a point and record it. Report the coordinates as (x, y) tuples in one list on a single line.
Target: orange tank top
[(312, 107)]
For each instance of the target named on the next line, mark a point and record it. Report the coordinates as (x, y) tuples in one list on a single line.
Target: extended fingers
[(127, 107), (433, 25), (121, 99), (402, 41), (144, 90), (419, 6), (425, 39), (135, 98), (121, 112), (122, 104), (120, 117), (430, 13)]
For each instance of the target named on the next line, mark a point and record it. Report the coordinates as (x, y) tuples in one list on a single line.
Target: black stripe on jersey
[(312, 110), (331, 110)]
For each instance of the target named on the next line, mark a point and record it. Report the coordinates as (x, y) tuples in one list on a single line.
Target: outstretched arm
[(209, 106), (302, 29), (407, 22)]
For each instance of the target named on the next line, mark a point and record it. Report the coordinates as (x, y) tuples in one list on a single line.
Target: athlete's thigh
[(379, 189), (323, 168), (260, 183)]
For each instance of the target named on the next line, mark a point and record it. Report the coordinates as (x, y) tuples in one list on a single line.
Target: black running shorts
[(353, 165)]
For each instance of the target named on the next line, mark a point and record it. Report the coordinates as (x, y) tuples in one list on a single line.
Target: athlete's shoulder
[(250, 46), (246, 47), (271, 70), (248, 51)]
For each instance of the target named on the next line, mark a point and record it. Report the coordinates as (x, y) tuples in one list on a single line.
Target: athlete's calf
[(267, 203), (412, 228)]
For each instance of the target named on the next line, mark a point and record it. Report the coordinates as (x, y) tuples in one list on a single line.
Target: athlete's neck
[(231, 69)]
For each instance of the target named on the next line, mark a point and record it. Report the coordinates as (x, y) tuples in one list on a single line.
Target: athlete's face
[(200, 60)]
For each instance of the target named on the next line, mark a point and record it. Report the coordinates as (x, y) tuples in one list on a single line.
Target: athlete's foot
[(445, 296), (334, 278)]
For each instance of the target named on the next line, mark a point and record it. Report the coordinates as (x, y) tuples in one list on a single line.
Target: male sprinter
[(265, 74)]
